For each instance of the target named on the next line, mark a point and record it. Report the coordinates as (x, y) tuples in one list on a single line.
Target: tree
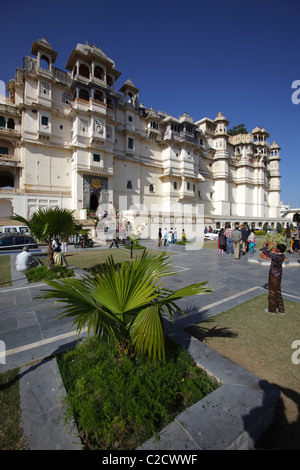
[(48, 224), (240, 129), (124, 302)]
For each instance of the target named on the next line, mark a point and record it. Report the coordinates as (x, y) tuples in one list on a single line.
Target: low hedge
[(42, 273)]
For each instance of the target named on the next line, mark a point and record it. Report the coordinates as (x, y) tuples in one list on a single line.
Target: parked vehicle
[(15, 229), (16, 241), (212, 235)]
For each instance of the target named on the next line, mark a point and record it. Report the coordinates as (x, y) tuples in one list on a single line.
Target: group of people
[(238, 241), (167, 237)]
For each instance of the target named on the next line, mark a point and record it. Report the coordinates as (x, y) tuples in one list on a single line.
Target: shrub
[(42, 273), (119, 403)]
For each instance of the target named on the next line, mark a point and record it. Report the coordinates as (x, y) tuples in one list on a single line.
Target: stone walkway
[(244, 403)]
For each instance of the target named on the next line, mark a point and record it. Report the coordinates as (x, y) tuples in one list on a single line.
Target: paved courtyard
[(31, 331)]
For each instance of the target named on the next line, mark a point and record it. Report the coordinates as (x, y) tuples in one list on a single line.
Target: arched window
[(109, 80), (44, 62), (98, 72), (10, 123), (110, 104), (2, 121), (129, 185), (84, 71), (98, 96), (151, 188), (84, 94), (175, 185), (129, 98)]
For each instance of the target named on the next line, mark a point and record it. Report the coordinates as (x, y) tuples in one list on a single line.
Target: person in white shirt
[(25, 260)]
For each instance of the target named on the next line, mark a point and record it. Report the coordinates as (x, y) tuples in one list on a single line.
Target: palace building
[(75, 139)]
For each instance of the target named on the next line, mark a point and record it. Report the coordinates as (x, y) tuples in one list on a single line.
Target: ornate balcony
[(10, 160)]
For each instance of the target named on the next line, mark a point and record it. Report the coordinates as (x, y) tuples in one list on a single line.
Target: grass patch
[(118, 403), (92, 258), (261, 343), (11, 434), (134, 247), (42, 273), (5, 273)]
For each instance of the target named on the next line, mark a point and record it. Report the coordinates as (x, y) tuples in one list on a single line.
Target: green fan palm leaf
[(126, 301)]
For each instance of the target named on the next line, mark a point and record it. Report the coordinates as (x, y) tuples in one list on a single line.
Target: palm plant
[(48, 224), (124, 302)]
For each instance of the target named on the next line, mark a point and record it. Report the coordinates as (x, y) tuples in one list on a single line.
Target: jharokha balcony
[(9, 160)]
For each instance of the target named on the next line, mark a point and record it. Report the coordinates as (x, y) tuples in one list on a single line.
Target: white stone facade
[(68, 138)]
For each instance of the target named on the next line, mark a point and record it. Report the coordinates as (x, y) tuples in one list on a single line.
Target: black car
[(16, 241)]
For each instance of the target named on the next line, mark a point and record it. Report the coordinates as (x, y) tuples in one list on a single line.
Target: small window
[(175, 185), (96, 158), (151, 188), (130, 118), (188, 185), (129, 185), (3, 150), (61, 126), (44, 121), (10, 123), (130, 143)]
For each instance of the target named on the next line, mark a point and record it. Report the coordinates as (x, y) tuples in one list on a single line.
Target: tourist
[(236, 239), (170, 238), (228, 235), (288, 238), (275, 298), (175, 235), (159, 237), (25, 260), (56, 246), (251, 241), (245, 234), (114, 242), (296, 238), (64, 245), (165, 236), (222, 241), (205, 231)]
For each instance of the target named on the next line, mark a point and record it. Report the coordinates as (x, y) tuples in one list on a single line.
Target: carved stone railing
[(10, 160)]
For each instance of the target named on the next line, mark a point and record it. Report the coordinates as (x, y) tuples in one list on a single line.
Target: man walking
[(236, 238), (228, 235), (159, 237), (245, 234)]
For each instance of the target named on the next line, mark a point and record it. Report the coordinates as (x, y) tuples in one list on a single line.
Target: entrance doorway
[(94, 201)]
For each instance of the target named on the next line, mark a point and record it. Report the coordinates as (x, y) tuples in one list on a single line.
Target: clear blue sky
[(200, 56)]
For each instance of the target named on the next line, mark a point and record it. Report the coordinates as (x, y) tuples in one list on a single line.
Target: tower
[(274, 181), (220, 167)]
